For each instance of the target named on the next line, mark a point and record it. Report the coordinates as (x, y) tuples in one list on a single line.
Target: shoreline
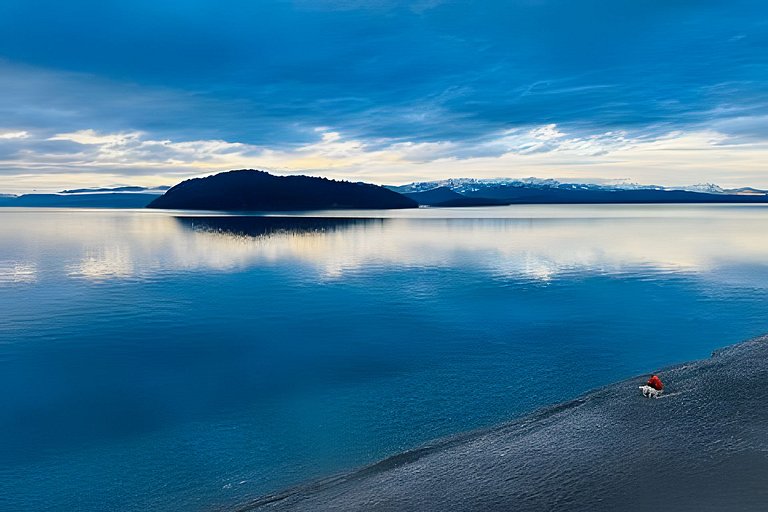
[(596, 452)]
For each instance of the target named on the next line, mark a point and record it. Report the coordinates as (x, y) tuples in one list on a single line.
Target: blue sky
[(151, 92)]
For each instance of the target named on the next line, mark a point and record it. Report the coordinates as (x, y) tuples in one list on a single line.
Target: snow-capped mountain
[(474, 185)]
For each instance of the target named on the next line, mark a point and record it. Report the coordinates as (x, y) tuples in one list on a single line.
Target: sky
[(151, 92)]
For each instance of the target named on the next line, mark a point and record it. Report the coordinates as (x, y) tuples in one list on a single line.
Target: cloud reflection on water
[(529, 243), (14, 272)]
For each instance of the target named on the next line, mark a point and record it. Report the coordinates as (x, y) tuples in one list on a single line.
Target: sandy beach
[(702, 446)]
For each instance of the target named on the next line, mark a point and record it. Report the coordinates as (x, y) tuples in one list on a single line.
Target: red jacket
[(655, 383)]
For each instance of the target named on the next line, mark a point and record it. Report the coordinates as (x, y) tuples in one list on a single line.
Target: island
[(253, 190)]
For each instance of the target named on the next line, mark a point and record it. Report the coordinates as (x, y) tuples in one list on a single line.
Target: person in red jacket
[(655, 383)]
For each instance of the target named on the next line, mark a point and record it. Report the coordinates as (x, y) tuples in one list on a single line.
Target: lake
[(176, 361)]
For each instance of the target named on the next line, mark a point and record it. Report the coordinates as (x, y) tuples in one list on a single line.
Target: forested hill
[(251, 190)]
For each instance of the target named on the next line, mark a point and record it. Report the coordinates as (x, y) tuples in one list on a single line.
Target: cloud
[(91, 137), (744, 129), (91, 158), (450, 72), (400, 86), (22, 134)]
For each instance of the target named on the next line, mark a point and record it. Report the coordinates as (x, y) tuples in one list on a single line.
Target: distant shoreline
[(257, 190), (138, 203)]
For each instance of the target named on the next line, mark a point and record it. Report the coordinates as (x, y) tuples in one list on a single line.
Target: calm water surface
[(172, 361)]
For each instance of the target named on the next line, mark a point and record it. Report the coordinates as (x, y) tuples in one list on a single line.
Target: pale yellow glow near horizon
[(133, 158)]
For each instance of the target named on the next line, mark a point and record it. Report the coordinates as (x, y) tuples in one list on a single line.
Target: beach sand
[(702, 446)]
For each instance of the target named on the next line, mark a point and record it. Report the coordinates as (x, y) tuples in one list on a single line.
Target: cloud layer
[(98, 93)]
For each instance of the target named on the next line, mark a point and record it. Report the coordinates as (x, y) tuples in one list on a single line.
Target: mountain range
[(252, 190), (504, 191), (471, 185)]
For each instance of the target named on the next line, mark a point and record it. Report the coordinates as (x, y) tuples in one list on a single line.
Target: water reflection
[(252, 226), (14, 272), (207, 352), (551, 242)]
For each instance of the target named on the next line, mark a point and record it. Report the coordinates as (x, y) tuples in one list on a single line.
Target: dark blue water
[(156, 362)]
